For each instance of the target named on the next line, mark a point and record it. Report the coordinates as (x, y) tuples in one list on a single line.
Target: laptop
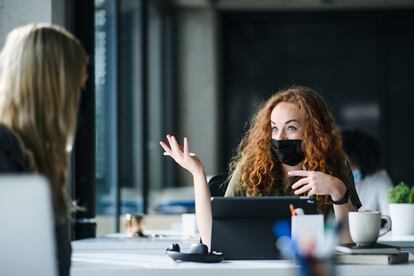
[(243, 226), (27, 242)]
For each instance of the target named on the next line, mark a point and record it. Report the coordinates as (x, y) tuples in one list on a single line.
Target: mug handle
[(387, 225)]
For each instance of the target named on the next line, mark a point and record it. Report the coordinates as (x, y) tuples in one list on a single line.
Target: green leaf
[(401, 193)]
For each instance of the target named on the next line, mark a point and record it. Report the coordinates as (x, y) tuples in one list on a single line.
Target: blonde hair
[(41, 70)]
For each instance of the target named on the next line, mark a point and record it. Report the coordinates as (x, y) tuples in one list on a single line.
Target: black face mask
[(288, 152)]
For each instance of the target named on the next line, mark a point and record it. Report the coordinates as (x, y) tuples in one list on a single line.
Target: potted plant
[(401, 199)]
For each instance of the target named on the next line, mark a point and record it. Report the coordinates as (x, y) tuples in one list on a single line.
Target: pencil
[(292, 210)]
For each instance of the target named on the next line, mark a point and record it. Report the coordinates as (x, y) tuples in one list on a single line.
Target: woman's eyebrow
[(287, 122), (291, 121)]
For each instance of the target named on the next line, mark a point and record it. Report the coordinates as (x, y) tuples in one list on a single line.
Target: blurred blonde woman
[(42, 71)]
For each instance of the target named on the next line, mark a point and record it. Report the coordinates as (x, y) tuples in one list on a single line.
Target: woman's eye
[(292, 128), (274, 129)]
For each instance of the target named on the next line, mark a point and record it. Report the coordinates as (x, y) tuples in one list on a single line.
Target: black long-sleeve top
[(12, 161)]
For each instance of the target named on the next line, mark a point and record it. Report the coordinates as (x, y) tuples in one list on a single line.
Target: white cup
[(364, 227), (188, 225)]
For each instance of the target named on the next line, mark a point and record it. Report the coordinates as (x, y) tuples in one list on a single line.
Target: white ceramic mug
[(364, 227)]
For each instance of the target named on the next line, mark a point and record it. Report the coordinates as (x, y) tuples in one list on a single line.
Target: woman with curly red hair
[(291, 148)]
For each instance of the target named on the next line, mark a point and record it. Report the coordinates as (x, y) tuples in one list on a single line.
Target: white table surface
[(137, 256), (403, 241)]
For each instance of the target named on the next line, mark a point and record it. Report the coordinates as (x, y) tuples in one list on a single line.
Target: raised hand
[(181, 155)]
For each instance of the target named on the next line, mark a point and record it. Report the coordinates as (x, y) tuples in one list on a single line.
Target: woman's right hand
[(182, 156)]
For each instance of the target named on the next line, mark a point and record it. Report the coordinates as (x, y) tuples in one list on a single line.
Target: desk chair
[(218, 185), (27, 242)]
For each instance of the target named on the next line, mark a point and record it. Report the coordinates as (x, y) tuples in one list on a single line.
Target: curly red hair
[(321, 143)]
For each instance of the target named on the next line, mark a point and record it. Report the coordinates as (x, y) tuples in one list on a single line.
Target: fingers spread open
[(299, 173), (186, 151), (311, 192), (169, 140), (300, 183), (302, 190), (174, 146), (166, 148)]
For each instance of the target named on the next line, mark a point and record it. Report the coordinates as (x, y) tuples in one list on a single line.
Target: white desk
[(121, 256), (400, 241)]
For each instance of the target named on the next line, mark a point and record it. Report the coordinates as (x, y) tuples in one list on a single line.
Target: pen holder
[(308, 233)]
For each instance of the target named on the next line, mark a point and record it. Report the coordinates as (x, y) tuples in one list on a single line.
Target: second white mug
[(364, 227)]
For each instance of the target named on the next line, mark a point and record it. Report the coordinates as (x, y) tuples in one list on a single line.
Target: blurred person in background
[(42, 71), (372, 182)]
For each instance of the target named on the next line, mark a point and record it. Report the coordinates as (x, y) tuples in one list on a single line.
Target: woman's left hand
[(318, 183)]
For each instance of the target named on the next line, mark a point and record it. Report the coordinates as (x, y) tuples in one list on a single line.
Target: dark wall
[(360, 62)]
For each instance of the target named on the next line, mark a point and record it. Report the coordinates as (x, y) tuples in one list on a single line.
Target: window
[(141, 48)]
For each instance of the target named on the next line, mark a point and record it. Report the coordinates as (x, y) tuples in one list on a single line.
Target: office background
[(200, 68)]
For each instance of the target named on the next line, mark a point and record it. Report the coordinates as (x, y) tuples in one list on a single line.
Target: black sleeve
[(11, 153), (64, 248), (7, 165), (12, 161)]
